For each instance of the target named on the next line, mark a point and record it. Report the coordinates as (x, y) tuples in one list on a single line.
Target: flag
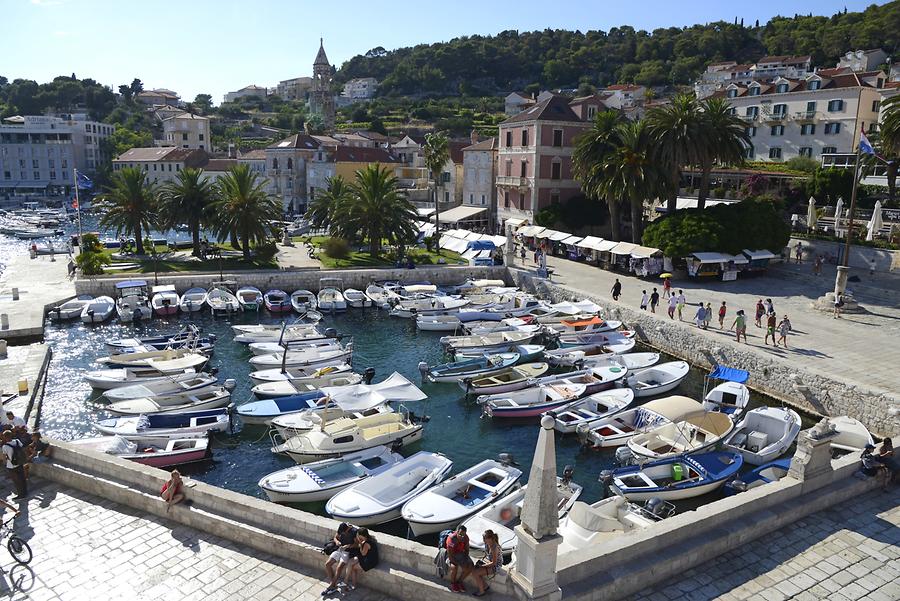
[(83, 182), (864, 145)]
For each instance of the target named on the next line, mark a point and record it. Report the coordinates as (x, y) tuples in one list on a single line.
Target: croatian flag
[(864, 145), (83, 182)]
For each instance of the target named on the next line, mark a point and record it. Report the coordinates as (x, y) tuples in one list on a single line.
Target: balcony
[(748, 118), (775, 117), (512, 181), (805, 115)]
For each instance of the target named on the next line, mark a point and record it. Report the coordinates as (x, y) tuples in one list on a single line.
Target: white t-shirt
[(681, 299), (8, 451), (672, 302), (16, 421), (644, 300)]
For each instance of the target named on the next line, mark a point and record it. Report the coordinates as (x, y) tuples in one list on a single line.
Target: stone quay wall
[(294, 279), (809, 390)]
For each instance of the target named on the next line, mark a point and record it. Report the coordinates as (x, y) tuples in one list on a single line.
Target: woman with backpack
[(363, 557)]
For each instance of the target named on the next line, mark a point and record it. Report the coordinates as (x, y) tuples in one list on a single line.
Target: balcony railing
[(512, 181), (805, 115), (750, 118), (775, 117)]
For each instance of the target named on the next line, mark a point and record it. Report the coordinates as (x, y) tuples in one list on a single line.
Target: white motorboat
[(496, 341), (584, 323), (618, 428), (574, 355), (594, 379), (448, 504), (300, 375), (221, 300), (483, 364), (630, 361), (730, 398), (307, 357), (503, 515), (107, 379), (436, 305), (693, 433), (143, 358), (530, 402), (270, 390), (193, 401), (153, 451), (166, 425), (321, 480), (379, 499), (356, 299), (192, 300), (267, 348), (764, 434), (132, 304), (379, 295), (98, 310), (345, 435), (273, 330), (527, 352), (587, 526), (619, 342), (658, 379), (591, 409), (851, 435), (330, 297), (438, 323), (250, 298), (294, 424), (509, 379), (167, 386), (677, 477), (164, 300), (292, 333), (70, 309), (303, 301)]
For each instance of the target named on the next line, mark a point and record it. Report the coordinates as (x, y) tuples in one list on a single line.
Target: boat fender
[(739, 485), (369, 375), (230, 384)]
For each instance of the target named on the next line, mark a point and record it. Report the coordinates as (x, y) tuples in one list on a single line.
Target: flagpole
[(846, 259), (77, 208)]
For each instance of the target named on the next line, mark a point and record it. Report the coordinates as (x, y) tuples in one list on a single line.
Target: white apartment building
[(623, 96), (38, 153), (819, 114), (187, 131), (479, 171), (863, 60), (162, 164), (251, 90), (361, 88), (720, 75), (294, 89)]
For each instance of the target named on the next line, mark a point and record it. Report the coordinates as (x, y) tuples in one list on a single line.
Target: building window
[(445, 177), (835, 106), (805, 151), (592, 112), (53, 175), (732, 111), (7, 175), (312, 192), (872, 127), (752, 111), (177, 167), (774, 153), (275, 163), (51, 163), (508, 139), (506, 199), (832, 128), (813, 84), (829, 150), (65, 164), (556, 170), (876, 105), (753, 91), (523, 171), (290, 164), (201, 137), (779, 109), (446, 197), (524, 137), (781, 88), (35, 164), (471, 199), (751, 132), (807, 129), (37, 175), (557, 138), (731, 93), (483, 199), (777, 130), (170, 166)]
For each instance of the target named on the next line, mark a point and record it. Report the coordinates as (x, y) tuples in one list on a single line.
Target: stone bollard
[(4, 321), (813, 457), (15, 294), (2, 347)]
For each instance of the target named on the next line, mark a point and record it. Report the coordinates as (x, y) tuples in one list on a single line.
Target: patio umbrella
[(875, 223), (665, 275), (811, 216), (837, 214)]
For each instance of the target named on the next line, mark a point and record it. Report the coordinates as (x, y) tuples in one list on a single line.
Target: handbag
[(330, 547)]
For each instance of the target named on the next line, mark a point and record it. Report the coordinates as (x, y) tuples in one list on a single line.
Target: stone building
[(321, 99)]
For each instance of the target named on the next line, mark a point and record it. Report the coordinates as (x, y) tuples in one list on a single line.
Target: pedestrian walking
[(71, 268), (681, 303), (838, 305), (700, 315), (654, 300), (760, 311), (673, 302), (708, 317), (739, 325), (784, 327), (770, 306), (616, 290), (722, 311), (798, 253), (667, 287), (817, 265), (537, 255), (771, 320), (644, 300), (523, 254)]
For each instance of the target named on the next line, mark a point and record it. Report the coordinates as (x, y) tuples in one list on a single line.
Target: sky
[(214, 46)]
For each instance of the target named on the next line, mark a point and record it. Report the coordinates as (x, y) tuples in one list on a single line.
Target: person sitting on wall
[(173, 490), (873, 466), (340, 545), (460, 561)]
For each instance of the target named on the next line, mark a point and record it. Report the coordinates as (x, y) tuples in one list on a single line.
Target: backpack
[(442, 559), (18, 452), (442, 538)]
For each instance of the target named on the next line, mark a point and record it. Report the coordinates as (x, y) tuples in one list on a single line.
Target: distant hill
[(486, 65)]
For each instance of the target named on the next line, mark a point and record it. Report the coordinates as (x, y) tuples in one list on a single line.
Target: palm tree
[(631, 172), (243, 209), (186, 200), (437, 153), (677, 135), (724, 140), (322, 208), (889, 136), (376, 208), (591, 152), (129, 204)]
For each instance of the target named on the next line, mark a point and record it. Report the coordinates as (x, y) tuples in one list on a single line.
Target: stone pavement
[(848, 552), (41, 283), (86, 547), (862, 348), (296, 257)]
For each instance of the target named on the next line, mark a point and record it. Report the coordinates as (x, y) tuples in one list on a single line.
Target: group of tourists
[(881, 464), (21, 448), (351, 552)]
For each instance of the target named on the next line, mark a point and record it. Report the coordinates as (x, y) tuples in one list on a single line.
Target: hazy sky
[(213, 46)]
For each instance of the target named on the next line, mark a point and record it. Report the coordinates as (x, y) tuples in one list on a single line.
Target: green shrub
[(337, 248), (91, 259)]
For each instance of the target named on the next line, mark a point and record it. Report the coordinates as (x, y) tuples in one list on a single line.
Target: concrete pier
[(41, 284)]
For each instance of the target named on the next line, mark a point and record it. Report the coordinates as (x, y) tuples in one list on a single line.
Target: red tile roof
[(353, 154), (456, 150), (555, 108), (489, 144), (301, 141)]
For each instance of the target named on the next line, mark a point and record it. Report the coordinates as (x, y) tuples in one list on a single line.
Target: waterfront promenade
[(42, 283)]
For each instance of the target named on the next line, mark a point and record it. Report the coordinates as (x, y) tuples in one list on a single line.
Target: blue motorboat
[(168, 425), (674, 478), (470, 368), (263, 411), (768, 472)]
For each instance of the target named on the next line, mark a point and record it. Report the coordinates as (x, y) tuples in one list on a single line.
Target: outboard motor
[(658, 508), (507, 459), (214, 371), (582, 431), (230, 384), (423, 369), (368, 375), (331, 333), (624, 457), (212, 338), (605, 479), (568, 472), (738, 485)]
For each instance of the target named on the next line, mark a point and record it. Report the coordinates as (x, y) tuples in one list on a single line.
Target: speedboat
[(142, 358), (303, 301), (214, 398), (270, 390), (436, 305), (768, 472), (344, 435), (448, 504), (277, 301), (164, 300), (498, 341), (70, 309), (299, 375), (292, 333), (356, 298), (302, 358), (530, 402), (585, 324), (591, 409), (764, 434), (330, 298), (729, 397), (166, 425), (658, 379), (630, 361), (98, 310), (693, 433), (587, 526), (470, 368), (168, 386), (509, 379), (618, 428), (321, 480), (192, 300), (221, 300), (675, 478), (249, 298), (106, 379), (155, 452), (263, 411), (267, 348), (379, 499), (132, 304), (850, 435), (438, 323), (504, 514)]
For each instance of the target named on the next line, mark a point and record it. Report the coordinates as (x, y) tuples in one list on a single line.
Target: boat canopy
[(673, 407), (591, 321), (360, 397), (566, 308), (730, 374), (131, 284), (481, 245), (588, 306), (163, 288), (757, 255)]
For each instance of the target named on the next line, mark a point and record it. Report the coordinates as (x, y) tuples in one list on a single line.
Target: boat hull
[(302, 457)]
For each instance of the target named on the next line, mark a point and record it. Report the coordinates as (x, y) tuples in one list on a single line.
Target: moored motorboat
[(155, 452), (379, 499), (379, 295), (693, 433), (594, 379), (303, 301), (164, 300), (277, 301), (213, 398), (530, 402), (163, 425), (591, 409), (330, 297), (143, 358), (70, 309), (764, 474), (132, 303), (250, 298), (585, 324), (587, 526), (192, 300), (294, 424), (299, 375), (658, 379), (166, 386), (438, 323), (98, 310), (470, 368), (106, 379), (496, 341), (269, 390), (851, 436), (611, 342), (675, 478), (729, 397), (356, 299), (630, 361), (512, 378), (306, 357), (615, 430), (267, 348), (436, 305), (764, 434), (221, 299), (264, 410)]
